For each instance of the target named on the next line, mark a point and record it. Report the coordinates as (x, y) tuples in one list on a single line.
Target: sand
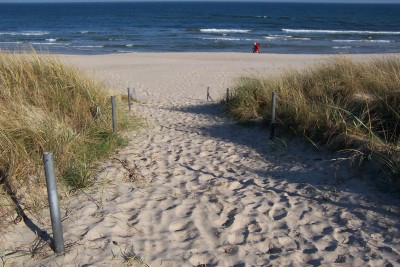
[(194, 188)]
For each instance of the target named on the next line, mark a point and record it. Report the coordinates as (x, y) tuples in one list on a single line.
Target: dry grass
[(346, 105), (48, 106)]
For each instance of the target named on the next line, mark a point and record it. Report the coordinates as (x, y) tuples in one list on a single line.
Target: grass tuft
[(347, 105), (49, 106)]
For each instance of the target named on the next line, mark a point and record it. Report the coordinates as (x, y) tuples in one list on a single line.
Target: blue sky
[(310, 1)]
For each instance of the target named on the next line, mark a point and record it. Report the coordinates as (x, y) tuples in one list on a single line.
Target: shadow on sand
[(293, 160)]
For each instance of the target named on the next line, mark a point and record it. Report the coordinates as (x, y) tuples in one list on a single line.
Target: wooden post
[(272, 125), (129, 99), (114, 114)]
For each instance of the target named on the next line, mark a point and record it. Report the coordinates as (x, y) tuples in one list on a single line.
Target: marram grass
[(47, 106), (347, 105)]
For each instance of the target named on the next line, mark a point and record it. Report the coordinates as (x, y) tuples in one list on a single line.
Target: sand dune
[(194, 188)]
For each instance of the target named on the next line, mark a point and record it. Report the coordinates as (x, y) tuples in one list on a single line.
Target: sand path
[(196, 189)]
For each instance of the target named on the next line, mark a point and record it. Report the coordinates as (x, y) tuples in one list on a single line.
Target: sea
[(102, 28)]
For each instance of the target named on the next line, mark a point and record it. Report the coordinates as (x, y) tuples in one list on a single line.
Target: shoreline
[(215, 52)]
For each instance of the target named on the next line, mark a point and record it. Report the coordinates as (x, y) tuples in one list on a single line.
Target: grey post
[(273, 115), (53, 202), (129, 98), (114, 115), (208, 94)]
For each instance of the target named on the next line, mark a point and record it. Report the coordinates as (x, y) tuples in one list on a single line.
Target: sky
[(310, 1)]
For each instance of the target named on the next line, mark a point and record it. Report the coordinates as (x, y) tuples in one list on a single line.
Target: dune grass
[(47, 106), (349, 106)]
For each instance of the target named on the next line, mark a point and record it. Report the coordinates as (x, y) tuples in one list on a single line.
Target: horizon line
[(195, 1)]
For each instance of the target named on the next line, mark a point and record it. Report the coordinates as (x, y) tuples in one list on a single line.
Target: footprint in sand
[(201, 260), (278, 213), (181, 232), (236, 238), (236, 185), (287, 243), (178, 226)]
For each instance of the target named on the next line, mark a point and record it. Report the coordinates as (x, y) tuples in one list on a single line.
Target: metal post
[(53, 202), (273, 115), (114, 115), (129, 99)]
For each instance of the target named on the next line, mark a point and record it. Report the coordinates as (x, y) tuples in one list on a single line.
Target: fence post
[(227, 94), (273, 115), (53, 202), (114, 115), (129, 99)]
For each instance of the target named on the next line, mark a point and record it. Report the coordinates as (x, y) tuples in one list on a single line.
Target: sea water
[(86, 28)]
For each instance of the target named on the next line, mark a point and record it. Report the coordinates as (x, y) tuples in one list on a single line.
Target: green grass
[(47, 106), (346, 105)]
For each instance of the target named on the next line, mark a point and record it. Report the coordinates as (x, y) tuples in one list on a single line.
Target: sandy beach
[(195, 188)]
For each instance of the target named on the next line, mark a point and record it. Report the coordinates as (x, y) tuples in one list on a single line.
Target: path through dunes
[(194, 188)]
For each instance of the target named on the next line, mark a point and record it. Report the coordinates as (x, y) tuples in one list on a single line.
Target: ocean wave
[(54, 40), (13, 43), (301, 39), (88, 46), (108, 39), (36, 43), (286, 38), (341, 32), (367, 41), (87, 32), (220, 38), (117, 45), (224, 30), (277, 37), (341, 47), (248, 17), (28, 33)]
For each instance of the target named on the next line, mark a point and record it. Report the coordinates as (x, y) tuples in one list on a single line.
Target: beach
[(195, 188)]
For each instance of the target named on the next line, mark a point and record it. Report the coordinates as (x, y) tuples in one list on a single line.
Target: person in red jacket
[(256, 47)]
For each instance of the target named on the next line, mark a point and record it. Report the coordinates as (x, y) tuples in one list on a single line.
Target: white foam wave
[(341, 32), (220, 39), (276, 37), (367, 41), (224, 30), (341, 47), (28, 33), (51, 40), (10, 43), (286, 38), (301, 39), (88, 46), (44, 43)]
